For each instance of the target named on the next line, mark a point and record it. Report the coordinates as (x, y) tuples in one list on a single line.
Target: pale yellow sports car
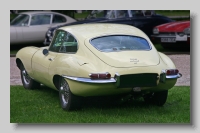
[(98, 60)]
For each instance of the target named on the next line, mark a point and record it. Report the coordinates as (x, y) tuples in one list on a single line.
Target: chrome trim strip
[(174, 76), (88, 80), (167, 36)]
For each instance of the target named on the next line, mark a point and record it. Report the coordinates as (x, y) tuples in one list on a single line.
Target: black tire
[(27, 81), (68, 100), (158, 98)]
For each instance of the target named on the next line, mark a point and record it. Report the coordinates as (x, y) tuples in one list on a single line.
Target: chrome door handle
[(51, 59)]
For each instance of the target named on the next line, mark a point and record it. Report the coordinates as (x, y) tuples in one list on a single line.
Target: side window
[(112, 15), (122, 13), (137, 13), (57, 41), (148, 12), (40, 19), (63, 42), (69, 44), (59, 19)]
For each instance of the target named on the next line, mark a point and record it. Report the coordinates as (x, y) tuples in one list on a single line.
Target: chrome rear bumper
[(116, 78)]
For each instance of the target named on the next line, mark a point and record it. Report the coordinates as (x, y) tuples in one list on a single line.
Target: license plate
[(181, 38), (168, 39), (136, 89)]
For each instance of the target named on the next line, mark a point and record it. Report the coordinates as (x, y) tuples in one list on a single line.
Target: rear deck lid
[(123, 51)]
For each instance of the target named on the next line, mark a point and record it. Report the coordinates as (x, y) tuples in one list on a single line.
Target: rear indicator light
[(100, 75), (172, 71)]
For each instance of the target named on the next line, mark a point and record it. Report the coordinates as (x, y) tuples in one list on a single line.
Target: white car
[(31, 27)]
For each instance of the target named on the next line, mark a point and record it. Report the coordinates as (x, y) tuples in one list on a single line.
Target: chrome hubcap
[(64, 91), (26, 77)]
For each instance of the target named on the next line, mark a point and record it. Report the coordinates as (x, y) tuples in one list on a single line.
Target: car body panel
[(78, 65), (177, 26)]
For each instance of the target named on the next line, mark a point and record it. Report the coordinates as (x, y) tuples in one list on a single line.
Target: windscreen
[(20, 20), (116, 43)]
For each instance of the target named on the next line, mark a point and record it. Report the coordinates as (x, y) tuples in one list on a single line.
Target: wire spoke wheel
[(26, 77), (68, 100), (27, 81), (64, 92)]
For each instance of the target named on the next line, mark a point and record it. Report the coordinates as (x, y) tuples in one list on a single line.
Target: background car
[(98, 60), (174, 34), (145, 20), (31, 27)]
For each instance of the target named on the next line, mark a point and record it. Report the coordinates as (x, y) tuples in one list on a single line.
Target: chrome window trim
[(88, 80)]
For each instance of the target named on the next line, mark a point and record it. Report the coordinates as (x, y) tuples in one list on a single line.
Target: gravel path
[(182, 62)]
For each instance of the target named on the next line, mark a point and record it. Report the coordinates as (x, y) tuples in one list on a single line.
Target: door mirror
[(45, 51)]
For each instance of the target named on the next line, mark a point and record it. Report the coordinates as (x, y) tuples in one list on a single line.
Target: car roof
[(98, 29), (39, 12)]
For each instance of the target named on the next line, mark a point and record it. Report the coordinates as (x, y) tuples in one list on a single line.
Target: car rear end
[(122, 64)]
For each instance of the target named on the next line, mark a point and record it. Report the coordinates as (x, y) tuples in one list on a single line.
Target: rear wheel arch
[(18, 62), (56, 79)]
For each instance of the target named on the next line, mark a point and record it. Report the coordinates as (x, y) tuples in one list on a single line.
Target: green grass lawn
[(42, 106)]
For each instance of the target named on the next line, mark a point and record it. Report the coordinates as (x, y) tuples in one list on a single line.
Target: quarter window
[(59, 19)]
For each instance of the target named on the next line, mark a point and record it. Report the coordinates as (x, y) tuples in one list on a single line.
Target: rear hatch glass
[(123, 50)]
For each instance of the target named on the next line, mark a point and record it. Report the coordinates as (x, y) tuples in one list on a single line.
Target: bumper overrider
[(122, 81)]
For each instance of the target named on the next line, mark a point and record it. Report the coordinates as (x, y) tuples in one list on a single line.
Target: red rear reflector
[(176, 71), (168, 72), (172, 72), (100, 75)]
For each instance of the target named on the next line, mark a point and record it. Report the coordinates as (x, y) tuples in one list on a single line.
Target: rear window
[(120, 43)]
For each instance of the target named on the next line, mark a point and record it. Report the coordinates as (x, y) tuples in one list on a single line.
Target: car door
[(41, 62), (38, 26)]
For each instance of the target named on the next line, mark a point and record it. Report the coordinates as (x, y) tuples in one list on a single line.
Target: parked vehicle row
[(145, 20), (31, 27), (98, 60), (40, 26)]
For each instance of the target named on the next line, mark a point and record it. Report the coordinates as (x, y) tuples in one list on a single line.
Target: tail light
[(172, 71), (100, 75)]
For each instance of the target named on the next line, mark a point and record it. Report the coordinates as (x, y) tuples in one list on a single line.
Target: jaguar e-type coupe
[(98, 60)]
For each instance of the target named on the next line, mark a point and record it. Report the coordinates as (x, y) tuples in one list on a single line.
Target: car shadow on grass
[(106, 102)]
